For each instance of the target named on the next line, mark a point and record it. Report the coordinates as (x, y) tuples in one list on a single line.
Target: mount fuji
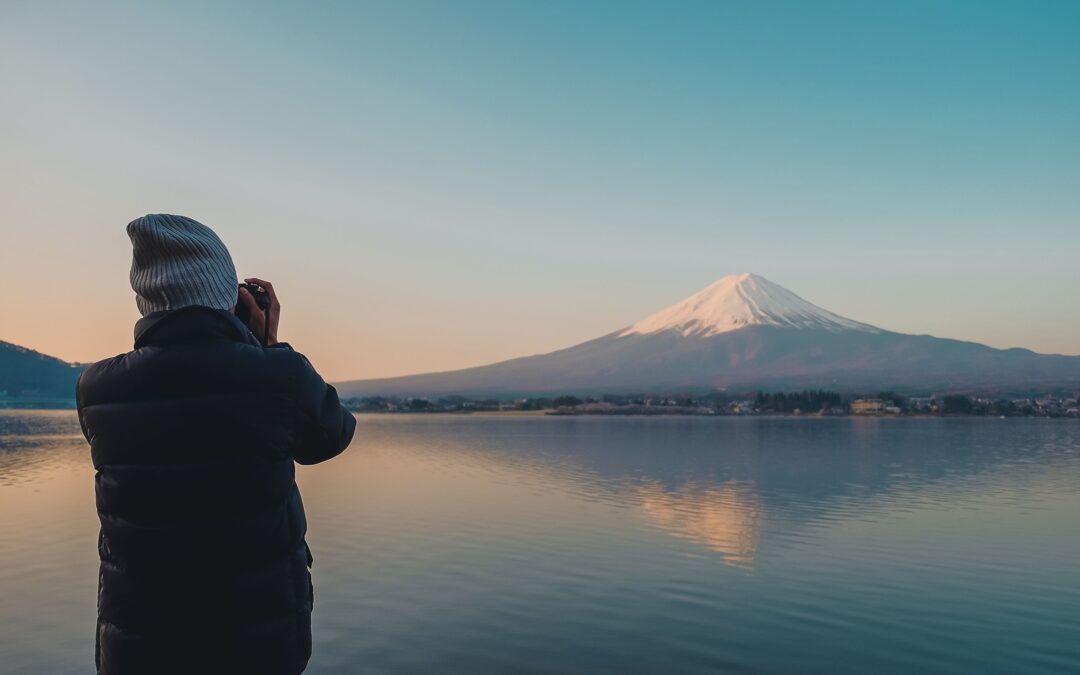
[(745, 332)]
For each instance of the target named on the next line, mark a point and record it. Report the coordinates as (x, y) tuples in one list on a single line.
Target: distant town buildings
[(867, 406)]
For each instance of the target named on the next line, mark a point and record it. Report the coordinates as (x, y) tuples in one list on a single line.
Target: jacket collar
[(190, 324)]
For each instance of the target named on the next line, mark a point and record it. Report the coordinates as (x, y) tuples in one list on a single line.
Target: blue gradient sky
[(436, 185)]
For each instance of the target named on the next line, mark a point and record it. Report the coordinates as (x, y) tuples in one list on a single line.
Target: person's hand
[(258, 320)]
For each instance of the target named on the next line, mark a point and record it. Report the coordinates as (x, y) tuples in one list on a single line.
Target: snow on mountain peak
[(738, 301)]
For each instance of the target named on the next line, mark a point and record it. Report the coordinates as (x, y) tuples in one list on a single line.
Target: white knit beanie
[(179, 262)]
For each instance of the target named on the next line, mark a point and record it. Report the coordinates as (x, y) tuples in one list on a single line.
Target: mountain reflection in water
[(724, 518)]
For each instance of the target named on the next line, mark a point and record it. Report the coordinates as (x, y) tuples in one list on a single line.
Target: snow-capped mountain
[(737, 301), (745, 332)]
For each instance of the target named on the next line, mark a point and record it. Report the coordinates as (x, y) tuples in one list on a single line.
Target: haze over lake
[(582, 544)]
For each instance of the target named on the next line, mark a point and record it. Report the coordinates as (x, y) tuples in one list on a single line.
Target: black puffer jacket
[(204, 567)]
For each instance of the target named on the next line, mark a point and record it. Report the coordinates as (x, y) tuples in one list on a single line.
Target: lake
[(492, 544)]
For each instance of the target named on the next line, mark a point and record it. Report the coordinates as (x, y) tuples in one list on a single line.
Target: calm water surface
[(630, 545)]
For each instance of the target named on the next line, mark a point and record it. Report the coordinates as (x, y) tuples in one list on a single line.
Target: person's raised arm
[(326, 426)]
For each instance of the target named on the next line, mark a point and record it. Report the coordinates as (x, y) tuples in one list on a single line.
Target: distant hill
[(743, 333), (27, 374)]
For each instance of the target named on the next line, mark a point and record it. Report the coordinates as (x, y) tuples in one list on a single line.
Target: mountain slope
[(25, 373), (745, 332)]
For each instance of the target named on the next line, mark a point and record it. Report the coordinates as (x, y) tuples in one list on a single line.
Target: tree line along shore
[(810, 403)]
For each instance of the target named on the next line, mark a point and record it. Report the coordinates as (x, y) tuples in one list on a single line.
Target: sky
[(435, 185)]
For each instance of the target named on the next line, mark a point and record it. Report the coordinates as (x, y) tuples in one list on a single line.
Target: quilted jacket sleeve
[(326, 427)]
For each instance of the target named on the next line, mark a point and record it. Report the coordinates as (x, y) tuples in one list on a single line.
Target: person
[(194, 436)]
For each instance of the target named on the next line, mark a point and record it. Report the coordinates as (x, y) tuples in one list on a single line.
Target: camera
[(262, 299)]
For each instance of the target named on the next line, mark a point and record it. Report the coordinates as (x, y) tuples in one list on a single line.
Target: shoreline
[(673, 413), (552, 413)]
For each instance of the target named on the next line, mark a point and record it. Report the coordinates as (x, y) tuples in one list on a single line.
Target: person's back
[(194, 434)]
